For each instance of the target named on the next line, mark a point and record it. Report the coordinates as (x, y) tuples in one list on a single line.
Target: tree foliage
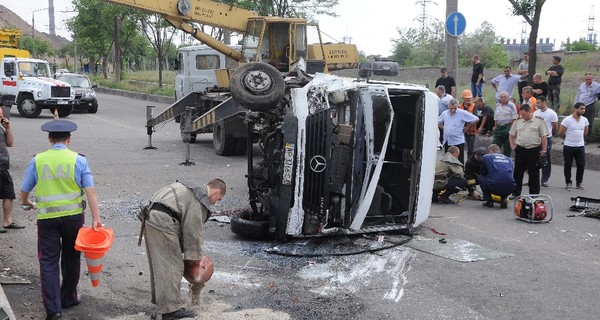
[(483, 42), (427, 48), (307, 9), (531, 11), (415, 47), (578, 45), (37, 47)]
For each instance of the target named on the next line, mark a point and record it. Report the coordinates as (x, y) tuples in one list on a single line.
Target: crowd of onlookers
[(523, 129)]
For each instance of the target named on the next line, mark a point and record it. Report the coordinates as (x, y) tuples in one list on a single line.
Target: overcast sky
[(371, 24)]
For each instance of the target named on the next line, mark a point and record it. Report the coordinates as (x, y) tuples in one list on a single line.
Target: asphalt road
[(549, 271)]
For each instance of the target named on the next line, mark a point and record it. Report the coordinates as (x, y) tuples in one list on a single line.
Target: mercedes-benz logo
[(318, 164)]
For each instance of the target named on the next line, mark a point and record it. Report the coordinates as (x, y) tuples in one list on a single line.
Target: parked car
[(84, 90)]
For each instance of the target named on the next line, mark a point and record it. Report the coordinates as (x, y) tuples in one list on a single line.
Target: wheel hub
[(28, 106), (257, 82)]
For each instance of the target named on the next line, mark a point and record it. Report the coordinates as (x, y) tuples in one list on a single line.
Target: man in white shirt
[(573, 129), (551, 118), (455, 122), (588, 93), (442, 106)]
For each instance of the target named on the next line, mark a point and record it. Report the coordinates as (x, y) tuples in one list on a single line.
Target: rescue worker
[(61, 178), (496, 177), (172, 227), (449, 176), (472, 168)]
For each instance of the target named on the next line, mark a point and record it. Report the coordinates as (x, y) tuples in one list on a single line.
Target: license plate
[(288, 164), (62, 102)]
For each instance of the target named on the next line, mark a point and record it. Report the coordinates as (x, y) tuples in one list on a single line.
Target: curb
[(592, 159), (136, 95)]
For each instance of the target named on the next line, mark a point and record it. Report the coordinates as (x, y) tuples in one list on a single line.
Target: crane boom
[(206, 12)]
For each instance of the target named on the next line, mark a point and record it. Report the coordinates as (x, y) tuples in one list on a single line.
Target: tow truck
[(338, 155)]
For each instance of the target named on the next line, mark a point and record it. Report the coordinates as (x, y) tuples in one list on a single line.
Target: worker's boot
[(179, 314)]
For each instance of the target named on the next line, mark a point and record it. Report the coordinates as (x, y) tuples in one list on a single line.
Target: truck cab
[(198, 69), (28, 83)]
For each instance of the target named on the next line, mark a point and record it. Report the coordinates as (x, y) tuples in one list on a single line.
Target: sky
[(372, 24)]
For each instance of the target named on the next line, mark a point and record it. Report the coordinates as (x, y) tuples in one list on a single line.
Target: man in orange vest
[(528, 97), (469, 106)]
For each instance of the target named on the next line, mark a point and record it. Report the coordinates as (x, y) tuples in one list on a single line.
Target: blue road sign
[(456, 24)]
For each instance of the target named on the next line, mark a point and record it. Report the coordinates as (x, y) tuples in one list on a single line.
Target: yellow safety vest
[(57, 193)]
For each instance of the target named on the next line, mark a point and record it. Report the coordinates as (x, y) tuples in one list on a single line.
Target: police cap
[(59, 128)]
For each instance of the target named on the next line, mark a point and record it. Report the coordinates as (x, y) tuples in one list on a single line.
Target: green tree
[(404, 45), (37, 47), (578, 45), (160, 34), (483, 42), (94, 29), (419, 47), (531, 11), (307, 9)]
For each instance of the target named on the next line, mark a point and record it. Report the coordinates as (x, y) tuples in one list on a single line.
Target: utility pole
[(451, 42), (51, 17), (33, 30)]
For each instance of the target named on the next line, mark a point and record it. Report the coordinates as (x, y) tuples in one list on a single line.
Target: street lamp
[(33, 29)]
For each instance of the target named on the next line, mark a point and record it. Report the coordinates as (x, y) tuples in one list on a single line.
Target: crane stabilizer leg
[(149, 128), (187, 136)]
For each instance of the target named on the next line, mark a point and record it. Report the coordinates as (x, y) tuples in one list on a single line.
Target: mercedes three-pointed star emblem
[(318, 164)]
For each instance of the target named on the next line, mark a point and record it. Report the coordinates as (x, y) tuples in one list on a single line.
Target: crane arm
[(204, 37), (206, 12)]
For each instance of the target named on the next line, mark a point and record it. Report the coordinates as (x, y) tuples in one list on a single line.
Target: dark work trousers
[(56, 241), (579, 154), (547, 170), (525, 159), (470, 140), (441, 135), (590, 114), (500, 189), (453, 186), (554, 96), (520, 86), (461, 148), (501, 138)]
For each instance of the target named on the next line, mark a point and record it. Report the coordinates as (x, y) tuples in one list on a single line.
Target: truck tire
[(223, 145), (240, 146), (27, 107), (245, 228), (257, 86), (94, 107), (63, 111)]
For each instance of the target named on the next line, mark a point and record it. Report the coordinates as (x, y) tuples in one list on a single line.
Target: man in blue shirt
[(61, 178), (455, 122), (505, 82), (496, 177)]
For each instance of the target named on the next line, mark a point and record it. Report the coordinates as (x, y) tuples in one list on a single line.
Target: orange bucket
[(94, 244)]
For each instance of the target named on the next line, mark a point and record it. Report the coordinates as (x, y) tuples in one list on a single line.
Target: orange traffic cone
[(94, 244)]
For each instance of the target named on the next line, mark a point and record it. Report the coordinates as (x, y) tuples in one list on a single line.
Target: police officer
[(496, 177), (61, 178)]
